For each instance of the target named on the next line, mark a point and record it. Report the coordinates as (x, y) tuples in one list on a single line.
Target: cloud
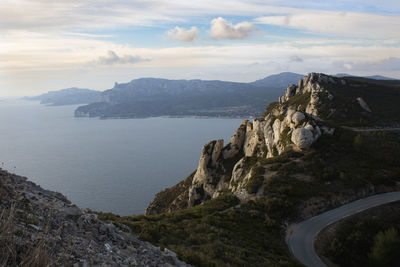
[(112, 58), (385, 65), (47, 61), (183, 35), (46, 15), (222, 29), (349, 24), (295, 58)]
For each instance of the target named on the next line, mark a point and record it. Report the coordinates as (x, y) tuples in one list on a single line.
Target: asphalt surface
[(301, 240)]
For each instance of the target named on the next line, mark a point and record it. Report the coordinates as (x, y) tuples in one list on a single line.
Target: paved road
[(301, 240)]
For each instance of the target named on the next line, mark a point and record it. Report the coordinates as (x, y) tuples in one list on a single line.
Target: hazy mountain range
[(152, 97), (68, 96), (148, 97)]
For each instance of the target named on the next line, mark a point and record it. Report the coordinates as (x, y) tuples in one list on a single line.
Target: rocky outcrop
[(293, 123), (43, 228), (236, 142), (207, 180)]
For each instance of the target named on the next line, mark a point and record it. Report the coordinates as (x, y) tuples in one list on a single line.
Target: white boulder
[(303, 138), (297, 117)]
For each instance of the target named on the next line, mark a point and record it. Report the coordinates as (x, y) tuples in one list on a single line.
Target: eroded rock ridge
[(292, 123)]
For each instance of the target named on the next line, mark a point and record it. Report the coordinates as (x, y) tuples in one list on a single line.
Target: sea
[(112, 165)]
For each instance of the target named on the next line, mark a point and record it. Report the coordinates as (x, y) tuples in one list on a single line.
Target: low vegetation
[(221, 232), (214, 234), (14, 251), (384, 108), (371, 238)]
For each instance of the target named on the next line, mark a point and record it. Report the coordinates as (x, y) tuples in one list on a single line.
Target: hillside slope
[(42, 228), (295, 161)]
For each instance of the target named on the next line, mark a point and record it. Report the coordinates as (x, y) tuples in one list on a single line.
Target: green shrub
[(386, 248), (254, 184)]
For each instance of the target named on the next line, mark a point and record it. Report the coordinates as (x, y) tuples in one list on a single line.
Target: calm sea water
[(106, 165)]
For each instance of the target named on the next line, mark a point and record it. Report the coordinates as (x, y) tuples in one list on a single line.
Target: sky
[(49, 45)]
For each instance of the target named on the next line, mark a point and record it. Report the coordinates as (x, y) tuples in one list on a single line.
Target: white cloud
[(40, 56), (183, 35), (112, 58), (26, 51), (222, 29), (349, 24), (385, 65), (295, 58), (46, 15)]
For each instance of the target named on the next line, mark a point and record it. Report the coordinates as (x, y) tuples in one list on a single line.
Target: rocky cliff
[(42, 228), (317, 106)]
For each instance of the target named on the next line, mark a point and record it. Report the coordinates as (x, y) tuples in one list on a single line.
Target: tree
[(386, 248)]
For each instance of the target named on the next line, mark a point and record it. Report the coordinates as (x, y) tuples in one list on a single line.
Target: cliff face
[(303, 114)]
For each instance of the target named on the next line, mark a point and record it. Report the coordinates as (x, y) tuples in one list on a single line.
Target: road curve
[(301, 239)]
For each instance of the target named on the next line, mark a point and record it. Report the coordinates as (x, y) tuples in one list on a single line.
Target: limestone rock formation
[(289, 124)]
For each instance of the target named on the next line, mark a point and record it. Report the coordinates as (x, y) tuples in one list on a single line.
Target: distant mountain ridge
[(68, 96), (149, 97), (152, 97), (279, 80)]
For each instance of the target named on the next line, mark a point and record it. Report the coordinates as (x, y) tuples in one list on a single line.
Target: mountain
[(326, 142), (149, 97), (68, 96), (380, 77), (280, 80)]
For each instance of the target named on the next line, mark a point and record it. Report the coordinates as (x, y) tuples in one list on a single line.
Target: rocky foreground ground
[(42, 228)]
